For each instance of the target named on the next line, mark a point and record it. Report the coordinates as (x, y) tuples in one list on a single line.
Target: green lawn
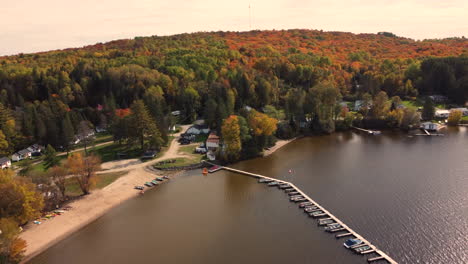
[(101, 181), (412, 104), (110, 152), (188, 149), (180, 162)]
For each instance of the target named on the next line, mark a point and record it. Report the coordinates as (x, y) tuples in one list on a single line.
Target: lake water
[(407, 195)]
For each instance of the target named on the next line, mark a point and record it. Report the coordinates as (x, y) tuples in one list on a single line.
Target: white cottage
[(21, 155), (5, 163), (442, 113)]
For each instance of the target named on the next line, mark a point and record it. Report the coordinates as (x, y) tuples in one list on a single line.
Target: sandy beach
[(279, 144), (96, 204), (90, 207)]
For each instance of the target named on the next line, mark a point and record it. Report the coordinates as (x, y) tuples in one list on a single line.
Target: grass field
[(101, 181), (179, 162)]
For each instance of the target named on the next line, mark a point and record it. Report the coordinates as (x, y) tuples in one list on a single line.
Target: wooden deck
[(381, 254)]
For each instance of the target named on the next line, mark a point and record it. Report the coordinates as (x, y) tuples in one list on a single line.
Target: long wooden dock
[(381, 254)]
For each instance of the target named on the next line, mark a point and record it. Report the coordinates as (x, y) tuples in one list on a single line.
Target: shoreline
[(278, 145), (90, 207), (83, 212)]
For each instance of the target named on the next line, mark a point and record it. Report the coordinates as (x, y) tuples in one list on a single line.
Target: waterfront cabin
[(442, 113), (429, 126), (5, 163), (212, 145), (21, 155)]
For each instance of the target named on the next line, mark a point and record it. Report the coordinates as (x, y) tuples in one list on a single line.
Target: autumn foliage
[(83, 169), (231, 137), (261, 124)]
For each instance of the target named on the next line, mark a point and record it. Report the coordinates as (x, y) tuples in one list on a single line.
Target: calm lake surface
[(407, 195)]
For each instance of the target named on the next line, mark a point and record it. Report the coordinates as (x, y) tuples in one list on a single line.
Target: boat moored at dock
[(304, 204), (361, 249), (262, 180), (215, 168), (324, 217), (325, 221), (352, 242), (273, 183)]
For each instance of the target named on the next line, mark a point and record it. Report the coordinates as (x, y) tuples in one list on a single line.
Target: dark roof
[(4, 160), (24, 151)]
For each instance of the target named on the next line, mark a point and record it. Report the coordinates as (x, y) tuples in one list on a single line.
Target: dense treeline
[(300, 74)]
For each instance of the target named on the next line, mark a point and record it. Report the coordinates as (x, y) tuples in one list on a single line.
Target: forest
[(297, 77)]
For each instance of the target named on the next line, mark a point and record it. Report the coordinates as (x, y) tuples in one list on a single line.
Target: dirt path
[(171, 153), (90, 207), (89, 147)]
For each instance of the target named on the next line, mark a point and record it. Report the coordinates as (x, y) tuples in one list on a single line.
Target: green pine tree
[(50, 159), (143, 126), (68, 134)]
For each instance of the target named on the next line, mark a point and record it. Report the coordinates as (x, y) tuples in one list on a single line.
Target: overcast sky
[(40, 25)]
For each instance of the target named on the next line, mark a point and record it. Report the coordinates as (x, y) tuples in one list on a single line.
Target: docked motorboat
[(304, 204), (352, 242)]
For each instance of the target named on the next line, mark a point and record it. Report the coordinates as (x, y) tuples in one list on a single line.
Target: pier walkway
[(347, 229)]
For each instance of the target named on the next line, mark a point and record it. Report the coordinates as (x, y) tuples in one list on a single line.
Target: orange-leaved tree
[(230, 131), (261, 124), (84, 169), (12, 247)]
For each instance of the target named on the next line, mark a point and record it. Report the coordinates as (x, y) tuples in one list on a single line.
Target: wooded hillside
[(44, 96)]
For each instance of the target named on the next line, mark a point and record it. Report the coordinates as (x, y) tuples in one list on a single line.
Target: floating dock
[(381, 254)]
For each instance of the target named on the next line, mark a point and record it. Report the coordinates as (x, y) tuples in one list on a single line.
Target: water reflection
[(406, 195)]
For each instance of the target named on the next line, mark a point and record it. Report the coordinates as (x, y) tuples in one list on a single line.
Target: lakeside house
[(198, 129), (5, 163), (442, 113), (429, 126), (21, 155), (36, 149), (212, 145)]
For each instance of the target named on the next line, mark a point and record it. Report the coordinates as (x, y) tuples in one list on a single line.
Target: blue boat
[(352, 242)]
